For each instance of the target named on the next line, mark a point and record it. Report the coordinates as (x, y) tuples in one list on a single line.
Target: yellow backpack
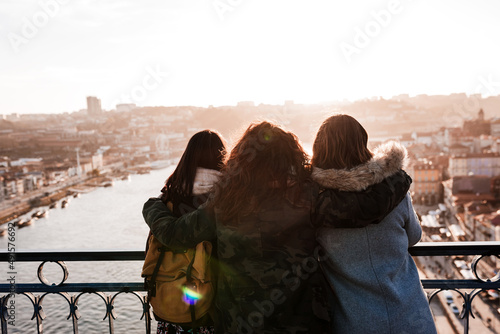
[(179, 283)]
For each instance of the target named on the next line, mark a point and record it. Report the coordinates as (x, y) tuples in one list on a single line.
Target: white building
[(93, 105), (495, 127), (125, 107), (487, 227), (97, 161), (475, 164)]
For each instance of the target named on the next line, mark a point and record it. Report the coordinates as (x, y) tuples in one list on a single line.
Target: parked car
[(493, 294), (445, 232), (467, 274), (454, 309), (461, 264), (436, 237), (449, 296)]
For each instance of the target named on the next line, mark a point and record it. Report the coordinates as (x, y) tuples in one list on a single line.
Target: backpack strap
[(191, 304), (151, 284)]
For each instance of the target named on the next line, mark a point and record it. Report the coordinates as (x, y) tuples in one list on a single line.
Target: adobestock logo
[(363, 36), (291, 280), (224, 6), (31, 26), (152, 80), (464, 110)]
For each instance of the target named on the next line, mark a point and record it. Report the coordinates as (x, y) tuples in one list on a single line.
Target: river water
[(106, 218)]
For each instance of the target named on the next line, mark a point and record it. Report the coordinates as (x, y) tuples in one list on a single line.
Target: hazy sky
[(54, 53)]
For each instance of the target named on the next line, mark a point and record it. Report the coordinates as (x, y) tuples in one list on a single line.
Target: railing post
[(110, 313), (147, 314), (465, 313), (75, 315), (467, 307), (38, 313), (4, 313), (465, 316)]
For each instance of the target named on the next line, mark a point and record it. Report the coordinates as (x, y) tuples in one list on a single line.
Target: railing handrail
[(456, 248), (74, 255), (76, 287), (421, 249)]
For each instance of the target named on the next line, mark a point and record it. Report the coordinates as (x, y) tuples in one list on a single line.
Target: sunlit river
[(106, 218)]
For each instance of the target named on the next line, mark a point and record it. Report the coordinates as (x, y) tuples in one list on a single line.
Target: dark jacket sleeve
[(178, 232), (343, 209)]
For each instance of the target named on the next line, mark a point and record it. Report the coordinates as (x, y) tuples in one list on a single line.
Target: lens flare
[(190, 296)]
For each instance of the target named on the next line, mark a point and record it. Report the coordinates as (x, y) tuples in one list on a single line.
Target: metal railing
[(71, 291), (108, 291)]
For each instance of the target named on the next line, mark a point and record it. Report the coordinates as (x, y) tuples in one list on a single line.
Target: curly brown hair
[(263, 165)]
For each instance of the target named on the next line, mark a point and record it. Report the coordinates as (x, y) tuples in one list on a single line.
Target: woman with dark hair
[(185, 190), (196, 173), (376, 284), (260, 218)]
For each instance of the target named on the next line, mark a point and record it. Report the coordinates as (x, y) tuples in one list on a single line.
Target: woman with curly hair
[(260, 218)]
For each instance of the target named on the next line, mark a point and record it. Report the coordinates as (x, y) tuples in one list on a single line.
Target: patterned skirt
[(168, 328)]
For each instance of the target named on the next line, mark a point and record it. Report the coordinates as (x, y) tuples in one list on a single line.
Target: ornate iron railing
[(72, 291), (77, 289)]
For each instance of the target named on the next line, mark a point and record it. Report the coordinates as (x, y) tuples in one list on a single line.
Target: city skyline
[(220, 52)]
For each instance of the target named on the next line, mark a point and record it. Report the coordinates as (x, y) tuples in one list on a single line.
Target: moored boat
[(25, 223), (19, 222), (40, 214)]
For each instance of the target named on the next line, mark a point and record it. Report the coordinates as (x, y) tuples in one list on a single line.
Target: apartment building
[(487, 164), (426, 187), (487, 227)]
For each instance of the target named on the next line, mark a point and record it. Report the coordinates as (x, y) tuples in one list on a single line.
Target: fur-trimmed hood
[(387, 160)]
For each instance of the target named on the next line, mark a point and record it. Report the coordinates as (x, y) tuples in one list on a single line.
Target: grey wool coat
[(374, 279)]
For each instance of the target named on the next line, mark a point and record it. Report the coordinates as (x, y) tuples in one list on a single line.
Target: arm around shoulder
[(177, 232), (356, 209)]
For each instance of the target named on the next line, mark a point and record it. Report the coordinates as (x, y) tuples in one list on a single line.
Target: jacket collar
[(387, 160)]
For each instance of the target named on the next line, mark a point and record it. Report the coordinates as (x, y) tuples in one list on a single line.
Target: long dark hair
[(205, 149), (341, 142), (261, 167)]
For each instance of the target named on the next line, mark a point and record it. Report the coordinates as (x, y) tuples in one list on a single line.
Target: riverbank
[(19, 207), (16, 207)]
